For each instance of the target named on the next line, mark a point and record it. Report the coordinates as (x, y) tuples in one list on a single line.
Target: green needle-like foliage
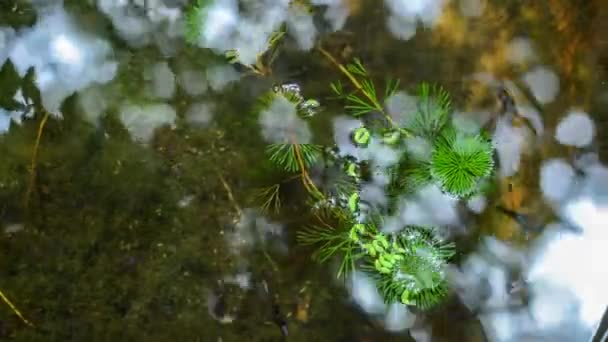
[(194, 18), (366, 98), (432, 111), (288, 156), (460, 161), (417, 175), (331, 242), (408, 176), (270, 198)]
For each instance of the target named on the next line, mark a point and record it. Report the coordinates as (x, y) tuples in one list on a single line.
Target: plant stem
[(236, 206), (308, 183), (359, 87), (14, 309), (34, 161)]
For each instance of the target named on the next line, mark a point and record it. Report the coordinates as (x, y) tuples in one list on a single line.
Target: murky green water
[(101, 246)]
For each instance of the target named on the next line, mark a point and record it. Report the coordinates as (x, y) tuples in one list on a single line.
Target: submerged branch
[(373, 100), (308, 183), (236, 206), (15, 310)]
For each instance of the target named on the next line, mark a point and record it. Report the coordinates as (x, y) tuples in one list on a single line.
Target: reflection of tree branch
[(529, 96), (32, 182), (229, 192)]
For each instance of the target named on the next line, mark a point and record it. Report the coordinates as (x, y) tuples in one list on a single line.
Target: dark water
[(98, 246)]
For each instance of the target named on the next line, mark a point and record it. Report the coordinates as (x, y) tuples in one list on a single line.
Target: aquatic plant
[(431, 116), (293, 157), (332, 240), (365, 99), (460, 161), (408, 265), (417, 277), (289, 152)]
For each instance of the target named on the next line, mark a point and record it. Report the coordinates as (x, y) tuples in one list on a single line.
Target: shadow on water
[(122, 241)]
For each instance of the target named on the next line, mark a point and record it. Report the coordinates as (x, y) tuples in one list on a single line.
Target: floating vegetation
[(332, 241), (460, 162), (293, 157), (415, 273), (127, 157), (431, 115), (408, 265)]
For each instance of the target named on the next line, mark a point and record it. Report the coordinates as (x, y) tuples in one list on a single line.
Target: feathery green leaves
[(417, 175), (331, 242), (432, 111), (365, 99), (270, 198)]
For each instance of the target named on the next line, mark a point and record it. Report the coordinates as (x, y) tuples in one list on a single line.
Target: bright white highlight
[(576, 129), (65, 51)]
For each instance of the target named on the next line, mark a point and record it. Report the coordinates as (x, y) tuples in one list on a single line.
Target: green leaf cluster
[(365, 98), (291, 156), (417, 278), (460, 161)]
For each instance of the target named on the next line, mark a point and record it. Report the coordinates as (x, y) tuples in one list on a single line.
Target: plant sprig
[(286, 155), (408, 265), (431, 116), (364, 99), (331, 242), (270, 198)]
